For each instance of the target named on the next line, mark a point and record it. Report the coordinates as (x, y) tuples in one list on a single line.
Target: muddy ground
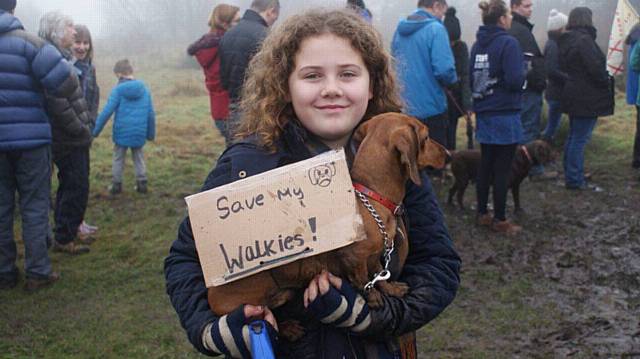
[(582, 251)]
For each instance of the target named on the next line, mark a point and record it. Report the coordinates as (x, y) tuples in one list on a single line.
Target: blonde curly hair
[(265, 108)]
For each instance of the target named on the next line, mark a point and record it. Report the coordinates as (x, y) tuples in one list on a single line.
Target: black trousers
[(72, 195), (495, 164)]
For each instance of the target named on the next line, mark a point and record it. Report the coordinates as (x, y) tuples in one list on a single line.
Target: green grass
[(111, 302)]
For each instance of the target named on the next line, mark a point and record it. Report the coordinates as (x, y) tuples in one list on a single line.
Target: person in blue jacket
[(30, 67), (425, 65), (497, 79), (632, 91), (133, 125), (318, 76)]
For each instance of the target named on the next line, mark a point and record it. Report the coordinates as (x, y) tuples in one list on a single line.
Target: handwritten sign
[(275, 218)]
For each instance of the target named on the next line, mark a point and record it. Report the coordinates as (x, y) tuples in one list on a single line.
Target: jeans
[(438, 125), (530, 117), (636, 142), (117, 166), (72, 195), (580, 130), (553, 121), (495, 164), (29, 173)]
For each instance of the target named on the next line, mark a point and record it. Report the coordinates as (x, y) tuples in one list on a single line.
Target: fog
[(146, 26)]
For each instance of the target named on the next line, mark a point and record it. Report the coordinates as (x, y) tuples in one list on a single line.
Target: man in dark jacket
[(35, 67), (522, 30), (71, 130), (239, 44)]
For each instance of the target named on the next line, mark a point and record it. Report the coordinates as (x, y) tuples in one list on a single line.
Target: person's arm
[(431, 270), (594, 62), (112, 103), (513, 65), (552, 63), (442, 62), (95, 105), (151, 121)]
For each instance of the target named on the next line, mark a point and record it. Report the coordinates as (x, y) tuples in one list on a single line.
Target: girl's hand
[(253, 312)]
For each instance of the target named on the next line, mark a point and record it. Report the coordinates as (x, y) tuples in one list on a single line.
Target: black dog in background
[(465, 165)]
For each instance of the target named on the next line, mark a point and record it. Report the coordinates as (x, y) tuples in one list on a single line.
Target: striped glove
[(342, 307), (229, 335)]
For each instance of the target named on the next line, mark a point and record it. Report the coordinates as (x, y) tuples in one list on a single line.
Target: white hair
[(52, 27)]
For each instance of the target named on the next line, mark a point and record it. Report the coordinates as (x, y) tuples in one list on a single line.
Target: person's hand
[(229, 335), (334, 301)]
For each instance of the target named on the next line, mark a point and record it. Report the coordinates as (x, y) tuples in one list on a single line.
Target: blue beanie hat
[(7, 5)]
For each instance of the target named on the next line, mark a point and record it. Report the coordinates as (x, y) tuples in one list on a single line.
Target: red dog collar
[(396, 209)]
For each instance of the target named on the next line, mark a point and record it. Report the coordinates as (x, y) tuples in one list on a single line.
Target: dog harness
[(397, 209)]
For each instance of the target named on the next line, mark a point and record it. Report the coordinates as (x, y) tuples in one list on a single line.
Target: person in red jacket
[(205, 50)]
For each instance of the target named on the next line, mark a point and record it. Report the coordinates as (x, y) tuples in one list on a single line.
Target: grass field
[(111, 303)]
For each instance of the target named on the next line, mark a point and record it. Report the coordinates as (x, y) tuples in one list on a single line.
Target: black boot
[(141, 186)]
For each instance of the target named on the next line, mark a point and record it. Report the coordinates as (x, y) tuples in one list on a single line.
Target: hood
[(9, 22), (131, 89), (416, 21), (486, 34), (572, 35), (634, 35)]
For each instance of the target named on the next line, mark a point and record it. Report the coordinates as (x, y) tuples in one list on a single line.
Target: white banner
[(626, 17)]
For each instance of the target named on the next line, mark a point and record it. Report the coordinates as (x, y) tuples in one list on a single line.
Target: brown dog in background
[(392, 149), (465, 165)]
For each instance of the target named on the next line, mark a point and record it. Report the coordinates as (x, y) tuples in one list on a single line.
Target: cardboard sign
[(275, 218)]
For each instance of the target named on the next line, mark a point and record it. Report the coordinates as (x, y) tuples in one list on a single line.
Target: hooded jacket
[(497, 72), (431, 270), (424, 62), (135, 120), (237, 48), (588, 91), (632, 75), (522, 30), (555, 77), (207, 52), (31, 67)]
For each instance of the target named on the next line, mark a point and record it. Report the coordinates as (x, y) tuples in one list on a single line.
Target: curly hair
[(265, 107)]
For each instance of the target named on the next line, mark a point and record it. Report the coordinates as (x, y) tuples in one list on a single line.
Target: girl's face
[(80, 48), (330, 88)]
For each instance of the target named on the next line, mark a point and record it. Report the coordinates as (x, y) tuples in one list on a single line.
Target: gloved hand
[(229, 335), (334, 301)]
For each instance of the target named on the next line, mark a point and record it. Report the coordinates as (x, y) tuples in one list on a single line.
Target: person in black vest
[(587, 93), (239, 45), (522, 30)]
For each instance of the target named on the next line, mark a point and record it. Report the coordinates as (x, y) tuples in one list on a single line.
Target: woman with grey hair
[(58, 29), (71, 134)]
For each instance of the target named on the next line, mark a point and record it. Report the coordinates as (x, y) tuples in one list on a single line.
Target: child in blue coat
[(134, 123)]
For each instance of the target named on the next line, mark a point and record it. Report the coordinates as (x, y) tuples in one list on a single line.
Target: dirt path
[(583, 251)]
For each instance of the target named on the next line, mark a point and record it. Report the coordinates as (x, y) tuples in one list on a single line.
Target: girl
[(497, 78), (587, 92), (316, 77), (82, 50), (205, 50)]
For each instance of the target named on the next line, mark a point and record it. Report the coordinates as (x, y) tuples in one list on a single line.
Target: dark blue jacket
[(237, 48), (431, 269), (497, 72), (555, 77), (28, 67), (89, 84)]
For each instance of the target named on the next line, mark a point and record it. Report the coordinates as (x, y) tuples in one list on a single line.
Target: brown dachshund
[(392, 149), (465, 165)]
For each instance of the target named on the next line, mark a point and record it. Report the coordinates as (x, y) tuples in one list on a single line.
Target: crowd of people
[(48, 113), (284, 95)]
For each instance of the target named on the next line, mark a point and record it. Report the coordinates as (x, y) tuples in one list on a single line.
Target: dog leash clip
[(383, 275)]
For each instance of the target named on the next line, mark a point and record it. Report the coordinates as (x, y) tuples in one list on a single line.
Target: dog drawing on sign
[(392, 149), (322, 174)]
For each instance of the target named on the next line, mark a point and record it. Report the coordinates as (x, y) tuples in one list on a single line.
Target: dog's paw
[(291, 330), (374, 299), (394, 289)]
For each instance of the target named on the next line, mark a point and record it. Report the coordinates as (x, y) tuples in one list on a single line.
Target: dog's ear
[(406, 143)]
